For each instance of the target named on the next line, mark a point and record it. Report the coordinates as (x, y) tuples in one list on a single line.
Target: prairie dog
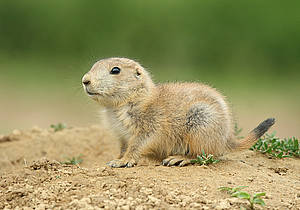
[(171, 122)]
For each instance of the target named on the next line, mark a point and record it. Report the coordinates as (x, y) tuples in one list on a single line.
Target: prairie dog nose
[(86, 80)]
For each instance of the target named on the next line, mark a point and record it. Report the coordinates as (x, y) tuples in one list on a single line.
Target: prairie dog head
[(116, 81)]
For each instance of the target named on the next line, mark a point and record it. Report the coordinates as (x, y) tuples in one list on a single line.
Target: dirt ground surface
[(33, 177)]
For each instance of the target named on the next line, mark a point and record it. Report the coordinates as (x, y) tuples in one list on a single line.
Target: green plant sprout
[(204, 159), (255, 199), (278, 148), (73, 160), (58, 127)]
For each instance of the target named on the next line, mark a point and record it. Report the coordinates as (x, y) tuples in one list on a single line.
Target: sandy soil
[(32, 176)]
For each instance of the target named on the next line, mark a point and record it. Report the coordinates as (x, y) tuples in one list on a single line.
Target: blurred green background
[(249, 50)]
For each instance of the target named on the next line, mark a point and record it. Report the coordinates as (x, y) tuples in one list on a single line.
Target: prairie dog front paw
[(122, 163)]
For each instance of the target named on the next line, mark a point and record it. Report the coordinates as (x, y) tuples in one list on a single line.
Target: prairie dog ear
[(138, 73)]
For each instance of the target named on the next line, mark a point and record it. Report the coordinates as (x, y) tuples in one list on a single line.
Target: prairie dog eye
[(115, 70)]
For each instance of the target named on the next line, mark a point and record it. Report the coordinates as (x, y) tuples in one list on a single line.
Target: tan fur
[(171, 122)]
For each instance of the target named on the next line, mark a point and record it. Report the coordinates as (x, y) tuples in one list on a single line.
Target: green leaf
[(73, 160), (296, 144), (58, 127), (241, 194), (257, 195), (259, 201), (279, 155), (235, 189), (204, 159), (225, 188)]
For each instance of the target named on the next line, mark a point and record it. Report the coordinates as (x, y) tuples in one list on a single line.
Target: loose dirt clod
[(44, 164)]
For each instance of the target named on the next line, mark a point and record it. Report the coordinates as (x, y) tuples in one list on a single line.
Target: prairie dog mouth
[(91, 93)]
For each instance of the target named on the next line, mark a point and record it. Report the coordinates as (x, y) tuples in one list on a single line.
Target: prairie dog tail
[(255, 134)]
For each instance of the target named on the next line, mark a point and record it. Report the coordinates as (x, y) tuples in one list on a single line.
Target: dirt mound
[(33, 175)]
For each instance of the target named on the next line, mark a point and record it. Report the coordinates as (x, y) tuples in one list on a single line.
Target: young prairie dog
[(171, 122)]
